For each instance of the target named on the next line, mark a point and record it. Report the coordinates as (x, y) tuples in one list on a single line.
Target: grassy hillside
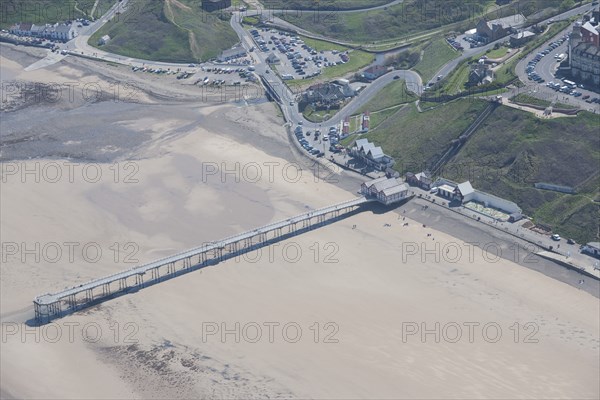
[(395, 93), (410, 17), (510, 152), (323, 4), (168, 30), (435, 56), (513, 150), (13, 11), (416, 139)]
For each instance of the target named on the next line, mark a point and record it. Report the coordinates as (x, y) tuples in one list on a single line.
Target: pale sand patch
[(357, 280), (368, 293)]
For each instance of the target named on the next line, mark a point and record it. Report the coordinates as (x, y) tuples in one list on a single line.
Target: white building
[(464, 193), (64, 32)]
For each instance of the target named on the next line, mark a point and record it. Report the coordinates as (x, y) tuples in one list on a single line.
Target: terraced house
[(61, 31), (585, 51)]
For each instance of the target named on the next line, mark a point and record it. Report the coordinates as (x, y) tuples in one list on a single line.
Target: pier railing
[(54, 305)]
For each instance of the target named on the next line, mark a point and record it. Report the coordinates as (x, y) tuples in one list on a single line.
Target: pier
[(55, 305)]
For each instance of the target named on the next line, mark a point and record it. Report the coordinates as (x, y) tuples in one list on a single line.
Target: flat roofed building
[(233, 53), (519, 39)]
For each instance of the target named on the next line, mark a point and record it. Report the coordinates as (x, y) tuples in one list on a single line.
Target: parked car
[(556, 237)]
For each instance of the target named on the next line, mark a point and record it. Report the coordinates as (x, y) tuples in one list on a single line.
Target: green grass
[(167, 31), (419, 139), (354, 124), (435, 56), (456, 83), (378, 117), (497, 53), (513, 149), (36, 11), (394, 94), (323, 4), (322, 45), (527, 99), (317, 116), (254, 20), (408, 18), (524, 98), (49, 11)]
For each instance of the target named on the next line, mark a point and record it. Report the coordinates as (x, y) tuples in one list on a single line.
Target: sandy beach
[(346, 311)]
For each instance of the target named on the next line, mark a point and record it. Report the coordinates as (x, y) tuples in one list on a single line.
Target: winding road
[(80, 46)]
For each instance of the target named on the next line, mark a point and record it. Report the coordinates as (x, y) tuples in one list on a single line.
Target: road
[(469, 52), (288, 105), (268, 12), (546, 68), (291, 112), (80, 45)]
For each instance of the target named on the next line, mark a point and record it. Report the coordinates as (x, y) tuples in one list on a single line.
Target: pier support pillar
[(73, 301), (155, 274)]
